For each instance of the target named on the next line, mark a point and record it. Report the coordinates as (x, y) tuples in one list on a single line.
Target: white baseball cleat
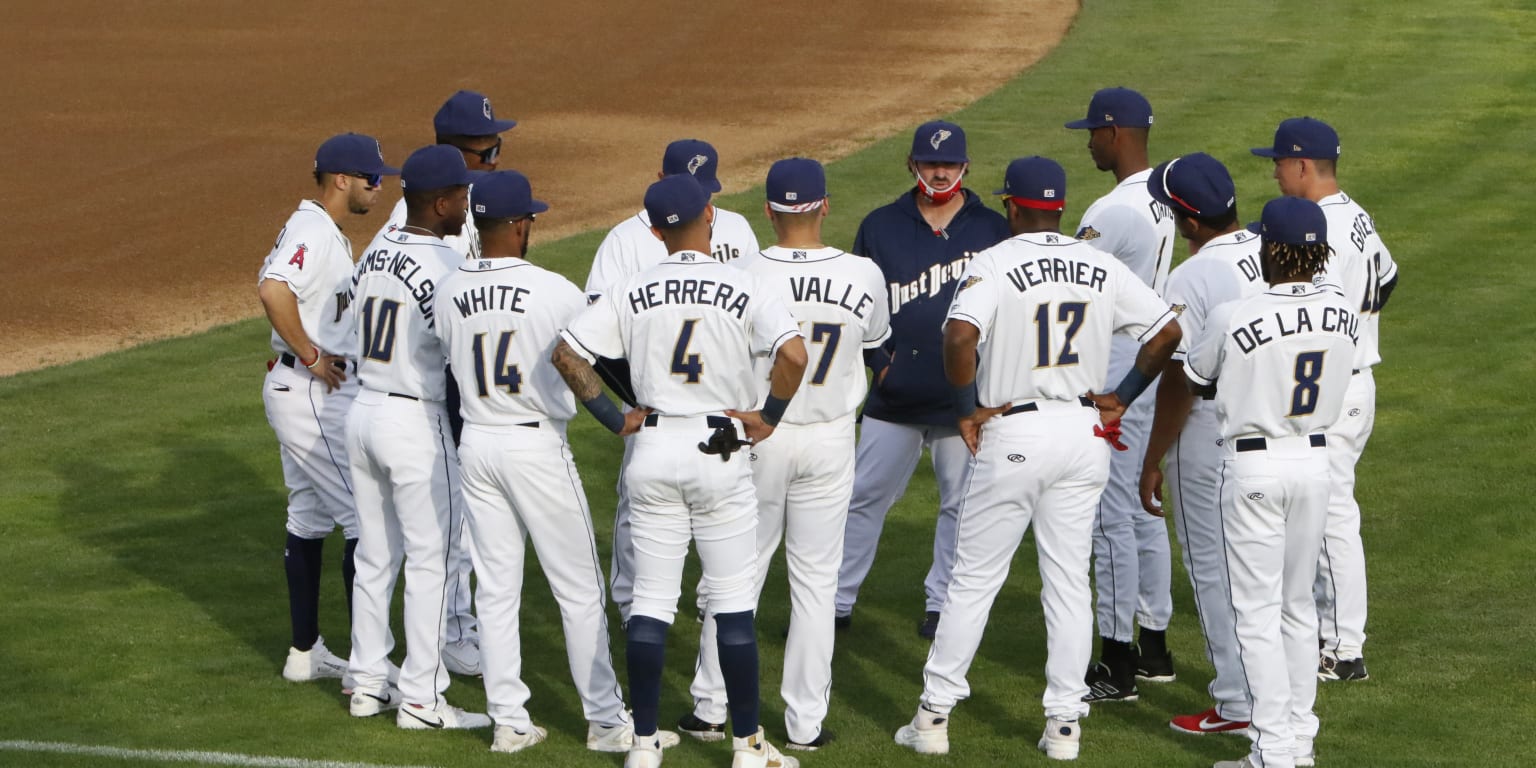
[(444, 716), (619, 738), (1061, 740), (509, 739), (1306, 756), (928, 733), (314, 664), (643, 753), (755, 752), (1243, 763), (349, 683), (462, 657), (368, 704)]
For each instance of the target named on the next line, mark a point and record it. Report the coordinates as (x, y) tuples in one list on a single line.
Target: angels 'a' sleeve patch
[(298, 256), (1087, 233), (969, 281)]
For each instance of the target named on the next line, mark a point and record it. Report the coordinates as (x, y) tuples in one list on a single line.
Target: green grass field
[(141, 504)]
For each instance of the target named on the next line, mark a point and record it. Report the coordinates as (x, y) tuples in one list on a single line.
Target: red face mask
[(937, 197)]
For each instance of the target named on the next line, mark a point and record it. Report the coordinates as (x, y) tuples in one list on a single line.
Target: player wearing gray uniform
[(405, 472), (690, 327), (627, 249), (303, 285), (1224, 267), (1306, 154), (1026, 343), (804, 475), (1280, 362), (1130, 549)]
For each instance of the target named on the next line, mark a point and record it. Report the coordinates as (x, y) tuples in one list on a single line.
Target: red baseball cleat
[(1207, 722)]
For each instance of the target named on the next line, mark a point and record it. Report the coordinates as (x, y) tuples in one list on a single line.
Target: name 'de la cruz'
[(1262, 330), (822, 290), (706, 292)]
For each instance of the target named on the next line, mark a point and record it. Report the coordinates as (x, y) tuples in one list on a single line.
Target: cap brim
[(1084, 123), (999, 192), (939, 158), (1265, 152), (1158, 195), (387, 170), (1256, 227), (502, 126), (711, 187), (538, 206)]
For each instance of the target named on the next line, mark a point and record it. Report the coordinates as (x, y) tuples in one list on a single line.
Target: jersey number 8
[(1309, 368)]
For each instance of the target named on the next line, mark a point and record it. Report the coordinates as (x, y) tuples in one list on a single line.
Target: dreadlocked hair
[(1298, 259)]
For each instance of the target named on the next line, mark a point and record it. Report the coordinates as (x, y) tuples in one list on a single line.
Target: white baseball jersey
[(630, 247), (689, 327), (1226, 268), (1046, 304), (1359, 266), (1283, 358), (498, 320), (467, 243), (834, 295), (1129, 225), (314, 258), (393, 297)]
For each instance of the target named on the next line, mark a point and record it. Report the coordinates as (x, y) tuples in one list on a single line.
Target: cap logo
[(1311, 237), (479, 208), (1149, 119), (1295, 147), (378, 149), (485, 108), (939, 137), (695, 163), (1108, 118), (1050, 194), (673, 218), (791, 195)]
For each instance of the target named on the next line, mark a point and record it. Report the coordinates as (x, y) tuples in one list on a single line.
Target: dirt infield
[(152, 150)]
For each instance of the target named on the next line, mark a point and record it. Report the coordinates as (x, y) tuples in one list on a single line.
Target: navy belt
[(713, 422), (287, 359), (1258, 443), (405, 397), (529, 424), (1032, 407)]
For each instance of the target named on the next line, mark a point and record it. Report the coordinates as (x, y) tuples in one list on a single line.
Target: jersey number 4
[(683, 363), (503, 375), (379, 332), (1309, 368), (1069, 312)]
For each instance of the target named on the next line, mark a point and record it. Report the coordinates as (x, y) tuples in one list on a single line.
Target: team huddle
[(422, 388)]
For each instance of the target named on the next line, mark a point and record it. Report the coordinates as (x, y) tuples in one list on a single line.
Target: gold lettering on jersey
[(1052, 269), (485, 298), (707, 292), (821, 290)]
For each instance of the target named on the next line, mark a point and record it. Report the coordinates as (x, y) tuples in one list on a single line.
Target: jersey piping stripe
[(1333, 599), (476, 270), (970, 479), (597, 568), (1114, 588), (1189, 560), (442, 606), (787, 335), (345, 475), (1167, 317), (1221, 493), (817, 260)]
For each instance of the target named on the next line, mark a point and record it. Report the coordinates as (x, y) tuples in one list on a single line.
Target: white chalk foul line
[(184, 756)]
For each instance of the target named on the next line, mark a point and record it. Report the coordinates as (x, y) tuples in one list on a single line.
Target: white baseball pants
[(1340, 589), (886, 456), (521, 484), (311, 429), (1047, 469), (1132, 566), (405, 475), (1193, 472), (804, 479), (1274, 500)]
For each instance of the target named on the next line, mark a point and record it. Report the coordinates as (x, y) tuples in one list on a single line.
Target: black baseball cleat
[(1157, 668), (702, 730), (822, 739), (843, 622), (1104, 685), (1341, 669), (929, 626)]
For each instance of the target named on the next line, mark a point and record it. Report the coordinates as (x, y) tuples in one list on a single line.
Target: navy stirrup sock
[(301, 561), (736, 640), (645, 652)]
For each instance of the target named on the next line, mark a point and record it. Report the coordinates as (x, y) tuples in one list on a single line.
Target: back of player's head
[(1037, 183), (430, 173), (501, 197), (796, 185), (696, 158), (1295, 236), (939, 142), (675, 202), (1196, 186), (1305, 137), (1118, 108)]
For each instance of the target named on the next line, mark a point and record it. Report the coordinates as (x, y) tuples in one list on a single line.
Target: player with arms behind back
[(1037, 313), (1280, 362), (804, 475)]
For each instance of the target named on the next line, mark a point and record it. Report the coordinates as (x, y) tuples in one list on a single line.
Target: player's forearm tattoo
[(577, 372)]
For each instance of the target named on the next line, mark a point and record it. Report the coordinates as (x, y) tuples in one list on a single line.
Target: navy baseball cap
[(1303, 137), (1196, 184), (1035, 182), (796, 185), (352, 153), (694, 157), (939, 142), (674, 201), (504, 195), (1116, 106), (435, 167), (468, 113), (1293, 220)]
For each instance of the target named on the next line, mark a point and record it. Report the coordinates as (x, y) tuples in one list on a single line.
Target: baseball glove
[(723, 442)]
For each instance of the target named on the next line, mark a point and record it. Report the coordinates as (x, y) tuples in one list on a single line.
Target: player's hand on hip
[(752, 423), (970, 426), (331, 369), (1152, 490), (633, 420), (1110, 407)]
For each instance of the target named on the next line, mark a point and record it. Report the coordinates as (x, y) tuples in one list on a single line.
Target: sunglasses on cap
[(487, 155), (373, 179)]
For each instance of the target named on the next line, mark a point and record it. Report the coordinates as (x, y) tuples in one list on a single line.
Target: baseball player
[(1025, 344), (804, 476), (404, 466), (1225, 267), (520, 481), (1280, 362), (1306, 156), (627, 249), (921, 243), (303, 285), (690, 328), (1130, 549)]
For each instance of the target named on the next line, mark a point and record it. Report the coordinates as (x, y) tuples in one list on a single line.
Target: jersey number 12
[(1069, 312)]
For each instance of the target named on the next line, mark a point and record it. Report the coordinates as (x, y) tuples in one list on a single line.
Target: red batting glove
[(1111, 434)]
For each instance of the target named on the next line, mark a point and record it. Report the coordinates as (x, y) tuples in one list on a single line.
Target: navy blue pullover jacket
[(921, 268)]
